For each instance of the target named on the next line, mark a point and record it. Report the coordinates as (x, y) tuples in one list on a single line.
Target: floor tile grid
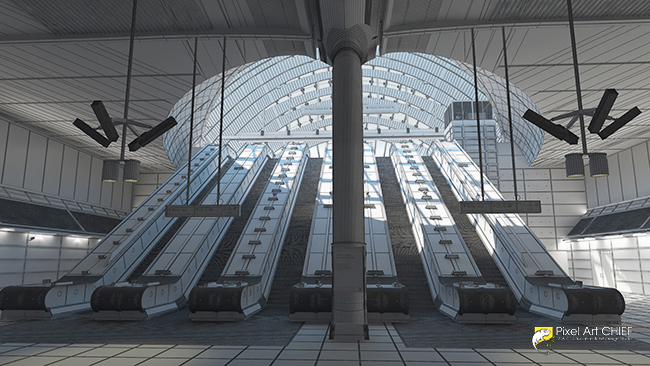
[(388, 330), (637, 307), (118, 356)]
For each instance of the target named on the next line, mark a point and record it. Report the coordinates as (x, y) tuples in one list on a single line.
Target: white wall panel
[(35, 162), (25, 261), (615, 186), (83, 177), (127, 196), (592, 193), (106, 194), (68, 172), (53, 162), (627, 171), (602, 189), (95, 185), (14, 166), (116, 199), (641, 169)]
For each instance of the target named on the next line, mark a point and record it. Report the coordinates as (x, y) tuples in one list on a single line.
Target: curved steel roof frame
[(268, 95)]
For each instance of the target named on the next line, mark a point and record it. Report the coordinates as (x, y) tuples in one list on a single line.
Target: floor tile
[(591, 358), (117, 361), (65, 351), (303, 345), (377, 346), (200, 346), (380, 356), (279, 362), (337, 363), (308, 338), (163, 362), (219, 353), (104, 352), (380, 363), (347, 346), (462, 356), (258, 354), (36, 361), (250, 362), (298, 355), (28, 351), (6, 359), (78, 361), (339, 355), (206, 362), (4, 349), (425, 363), (142, 352), (429, 356), (504, 357), (185, 353)]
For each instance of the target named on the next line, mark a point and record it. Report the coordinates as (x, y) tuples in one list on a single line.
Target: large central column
[(347, 49), (349, 315)]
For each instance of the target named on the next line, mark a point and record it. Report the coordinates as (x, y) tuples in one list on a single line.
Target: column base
[(349, 332)]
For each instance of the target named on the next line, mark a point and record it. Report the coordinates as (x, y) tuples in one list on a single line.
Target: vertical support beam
[(574, 51), (349, 313)]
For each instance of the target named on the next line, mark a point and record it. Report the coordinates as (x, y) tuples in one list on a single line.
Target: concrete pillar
[(348, 48), (349, 313)]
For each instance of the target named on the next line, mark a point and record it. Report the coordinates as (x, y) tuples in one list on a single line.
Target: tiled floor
[(311, 347)]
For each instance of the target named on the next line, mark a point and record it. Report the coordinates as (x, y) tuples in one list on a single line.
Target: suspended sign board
[(203, 210), (489, 207)]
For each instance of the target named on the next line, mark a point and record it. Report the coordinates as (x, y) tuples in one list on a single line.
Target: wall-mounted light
[(598, 165), (574, 165), (111, 171), (32, 238)]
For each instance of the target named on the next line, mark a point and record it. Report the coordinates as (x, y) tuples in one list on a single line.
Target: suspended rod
[(512, 142), (223, 84), (478, 119), (574, 50), (189, 155), (128, 77)]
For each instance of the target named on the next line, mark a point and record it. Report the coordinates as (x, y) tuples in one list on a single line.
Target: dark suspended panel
[(27, 214), (580, 226), (612, 223), (95, 223)]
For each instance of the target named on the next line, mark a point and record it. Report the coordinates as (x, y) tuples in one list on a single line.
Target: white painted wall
[(629, 177), (563, 199), (25, 261), (147, 184), (616, 261), (36, 163)]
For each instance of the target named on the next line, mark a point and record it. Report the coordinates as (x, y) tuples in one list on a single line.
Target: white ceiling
[(56, 57)]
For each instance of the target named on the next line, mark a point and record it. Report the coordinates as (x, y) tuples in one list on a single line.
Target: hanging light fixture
[(598, 165), (131, 170), (574, 165), (111, 171)]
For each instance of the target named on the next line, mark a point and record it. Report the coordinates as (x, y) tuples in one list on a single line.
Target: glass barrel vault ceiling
[(268, 95)]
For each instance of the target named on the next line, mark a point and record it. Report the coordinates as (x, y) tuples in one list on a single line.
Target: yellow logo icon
[(542, 334)]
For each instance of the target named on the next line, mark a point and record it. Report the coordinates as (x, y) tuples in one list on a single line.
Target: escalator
[(295, 244), (406, 253)]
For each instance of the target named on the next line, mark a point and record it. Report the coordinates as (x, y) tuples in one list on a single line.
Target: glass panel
[(467, 110)]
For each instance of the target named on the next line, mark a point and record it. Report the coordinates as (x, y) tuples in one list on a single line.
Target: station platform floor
[(272, 340)]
